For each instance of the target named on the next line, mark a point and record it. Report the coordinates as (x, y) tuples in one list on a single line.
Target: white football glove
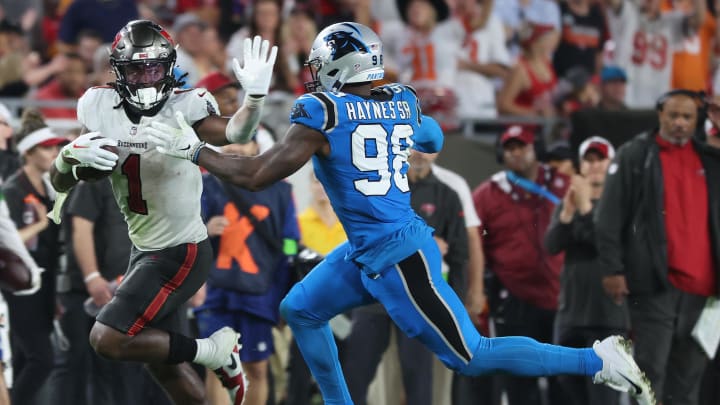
[(179, 142), (87, 152), (257, 71)]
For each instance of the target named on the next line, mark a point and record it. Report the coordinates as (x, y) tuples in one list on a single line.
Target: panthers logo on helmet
[(343, 43)]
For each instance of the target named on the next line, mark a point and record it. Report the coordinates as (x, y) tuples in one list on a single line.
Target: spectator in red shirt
[(530, 88), (516, 206), (70, 83)]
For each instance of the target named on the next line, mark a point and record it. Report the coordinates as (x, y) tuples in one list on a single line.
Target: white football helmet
[(343, 53)]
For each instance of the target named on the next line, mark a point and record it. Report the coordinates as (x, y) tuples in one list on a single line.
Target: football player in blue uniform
[(359, 139)]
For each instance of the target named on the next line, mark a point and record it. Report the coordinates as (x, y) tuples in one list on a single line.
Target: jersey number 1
[(370, 154), (131, 169)]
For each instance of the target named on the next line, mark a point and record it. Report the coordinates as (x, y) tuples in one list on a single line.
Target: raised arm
[(254, 77)]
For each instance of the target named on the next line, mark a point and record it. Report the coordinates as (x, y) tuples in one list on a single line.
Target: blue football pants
[(423, 306)]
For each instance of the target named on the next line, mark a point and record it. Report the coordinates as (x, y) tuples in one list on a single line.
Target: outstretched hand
[(255, 74), (181, 142)]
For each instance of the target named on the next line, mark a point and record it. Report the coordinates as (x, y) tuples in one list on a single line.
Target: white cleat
[(223, 341), (231, 374), (620, 371)]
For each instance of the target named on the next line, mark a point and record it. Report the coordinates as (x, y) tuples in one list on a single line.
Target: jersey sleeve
[(429, 137), (197, 104), (314, 111), (87, 108)]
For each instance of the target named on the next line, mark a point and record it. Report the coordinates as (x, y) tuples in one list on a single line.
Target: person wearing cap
[(9, 160), (613, 87), (29, 197), (658, 240), (516, 205), (529, 89), (585, 312)]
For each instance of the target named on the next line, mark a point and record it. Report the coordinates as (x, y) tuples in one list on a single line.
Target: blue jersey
[(365, 174)]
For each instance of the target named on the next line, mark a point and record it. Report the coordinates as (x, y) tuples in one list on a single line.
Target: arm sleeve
[(198, 104), (429, 137), (85, 110), (612, 213)]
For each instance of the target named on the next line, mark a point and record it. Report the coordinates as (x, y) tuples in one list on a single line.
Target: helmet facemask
[(144, 84)]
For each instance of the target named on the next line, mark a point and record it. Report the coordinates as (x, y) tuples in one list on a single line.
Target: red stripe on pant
[(165, 291)]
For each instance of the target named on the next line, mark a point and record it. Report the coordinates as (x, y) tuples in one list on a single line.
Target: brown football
[(89, 173), (14, 275)]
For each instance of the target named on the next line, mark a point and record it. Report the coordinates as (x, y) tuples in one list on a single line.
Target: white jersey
[(644, 48), (159, 195), (426, 59), (476, 92)]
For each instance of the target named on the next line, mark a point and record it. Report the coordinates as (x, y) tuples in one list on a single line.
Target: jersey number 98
[(370, 154)]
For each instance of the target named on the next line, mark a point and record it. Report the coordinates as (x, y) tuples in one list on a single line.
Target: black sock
[(182, 349)]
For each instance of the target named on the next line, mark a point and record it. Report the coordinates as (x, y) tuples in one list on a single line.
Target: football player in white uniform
[(160, 199)]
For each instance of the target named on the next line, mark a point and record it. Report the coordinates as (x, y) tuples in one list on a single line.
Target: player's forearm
[(62, 182), (242, 125), (30, 231), (84, 246), (230, 168), (491, 69)]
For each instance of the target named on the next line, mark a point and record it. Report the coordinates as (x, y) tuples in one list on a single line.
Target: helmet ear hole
[(332, 73)]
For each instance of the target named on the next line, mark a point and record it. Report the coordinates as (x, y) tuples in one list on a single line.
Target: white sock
[(205, 352)]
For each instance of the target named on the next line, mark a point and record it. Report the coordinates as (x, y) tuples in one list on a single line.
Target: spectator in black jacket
[(585, 313), (659, 242), (441, 208)]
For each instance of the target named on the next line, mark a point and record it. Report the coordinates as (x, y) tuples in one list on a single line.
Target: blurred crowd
[(543, 248), (469, 59)]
